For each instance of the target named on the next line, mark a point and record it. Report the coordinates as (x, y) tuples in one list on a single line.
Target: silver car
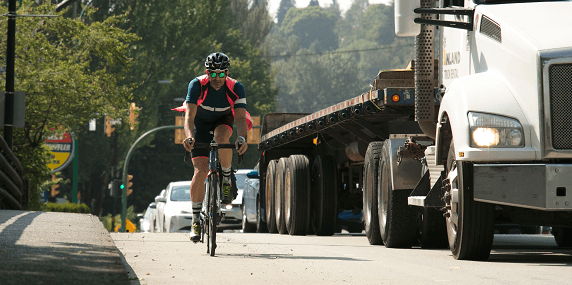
[(147, 220), (177, 212)]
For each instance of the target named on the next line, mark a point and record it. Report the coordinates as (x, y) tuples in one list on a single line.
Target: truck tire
[(260, 224), (270, 193), (370, 185), (323, 212), (279, 196), (397, 222), (562, 236), (297, 195), (470, 224)]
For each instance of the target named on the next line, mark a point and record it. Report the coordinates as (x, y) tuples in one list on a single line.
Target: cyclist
[(214, 102)]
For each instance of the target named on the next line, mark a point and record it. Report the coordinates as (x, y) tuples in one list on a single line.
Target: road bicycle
[(211, 213)]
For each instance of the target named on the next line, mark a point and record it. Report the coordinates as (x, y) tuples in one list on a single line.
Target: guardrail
[(14, 189)]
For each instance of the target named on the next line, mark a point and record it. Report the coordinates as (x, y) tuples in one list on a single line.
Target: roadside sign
[(61, 149), (179, 133)]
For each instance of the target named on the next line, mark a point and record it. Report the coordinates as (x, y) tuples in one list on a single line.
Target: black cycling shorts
[(204, 128)]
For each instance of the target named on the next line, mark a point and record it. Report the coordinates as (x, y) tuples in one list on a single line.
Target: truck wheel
[(270, 185), (470, 224), (297, 195), (432, 229), (260, 224), (323, 212), (246, 226), (279, 196), (370, 185), (396, 219), (562, 236)]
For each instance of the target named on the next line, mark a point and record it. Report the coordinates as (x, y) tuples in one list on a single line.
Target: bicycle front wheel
[(213, 209)]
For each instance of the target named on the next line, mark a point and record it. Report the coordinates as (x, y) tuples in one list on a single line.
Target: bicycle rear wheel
[(213, 209)]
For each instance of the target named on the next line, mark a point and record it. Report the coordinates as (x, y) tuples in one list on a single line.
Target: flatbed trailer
[(330, 146)]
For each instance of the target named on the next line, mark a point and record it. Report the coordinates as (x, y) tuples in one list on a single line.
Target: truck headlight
[(495, 131)]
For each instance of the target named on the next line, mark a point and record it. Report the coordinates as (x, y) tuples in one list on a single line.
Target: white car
[(159, 214), (147, 220), (177, 211)]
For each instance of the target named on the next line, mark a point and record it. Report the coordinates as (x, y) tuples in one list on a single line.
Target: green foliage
[(283, 8), (71, 71), (312, 25), (310, 80), (67, 207), (107, 221)]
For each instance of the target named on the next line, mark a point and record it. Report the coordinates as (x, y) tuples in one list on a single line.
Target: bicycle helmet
[(217, 60)]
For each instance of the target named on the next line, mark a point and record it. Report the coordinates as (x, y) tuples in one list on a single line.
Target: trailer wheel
[(370, 185), (297, 195), (260, 224), (470, 224), (323, 212), (396, 218), (562, 236), (279, 196), (270, 199)]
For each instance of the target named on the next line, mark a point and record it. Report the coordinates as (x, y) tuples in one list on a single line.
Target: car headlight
[(493, 131)]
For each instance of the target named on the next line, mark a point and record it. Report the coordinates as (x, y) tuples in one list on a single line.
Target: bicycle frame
[(210, 213)]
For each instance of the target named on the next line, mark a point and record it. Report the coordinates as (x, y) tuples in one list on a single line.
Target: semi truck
[(475, 131)]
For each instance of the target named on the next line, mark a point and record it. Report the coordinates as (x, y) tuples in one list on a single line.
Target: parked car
[(147, 220), (253, 218), (159, 214), (177, 212)]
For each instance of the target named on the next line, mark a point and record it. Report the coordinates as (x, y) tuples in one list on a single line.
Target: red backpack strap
[(203, 80)]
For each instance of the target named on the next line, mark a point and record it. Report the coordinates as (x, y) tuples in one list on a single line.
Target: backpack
[(230, 82)]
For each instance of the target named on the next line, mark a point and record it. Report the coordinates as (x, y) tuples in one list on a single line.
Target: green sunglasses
[(214, 74)]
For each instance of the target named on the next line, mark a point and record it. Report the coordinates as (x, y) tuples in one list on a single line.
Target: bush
[(67, 207)]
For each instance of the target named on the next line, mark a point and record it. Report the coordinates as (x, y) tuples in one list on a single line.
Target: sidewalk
[(57, 248)]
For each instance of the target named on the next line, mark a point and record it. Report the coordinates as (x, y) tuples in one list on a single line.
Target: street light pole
[(10, 62)]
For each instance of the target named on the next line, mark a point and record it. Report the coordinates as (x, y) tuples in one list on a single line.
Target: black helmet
[(217, 60)]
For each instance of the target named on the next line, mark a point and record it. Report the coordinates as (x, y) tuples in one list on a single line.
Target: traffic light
[(54, 191), (129, 184), (116, 186), (133, 114), (109, 128)]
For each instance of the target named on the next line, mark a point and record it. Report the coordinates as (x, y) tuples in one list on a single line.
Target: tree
[(285, 6), (71, 72), (314, 3), (311, 24), (176, 36)]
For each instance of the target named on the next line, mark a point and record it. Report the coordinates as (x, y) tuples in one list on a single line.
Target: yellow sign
[(61, 149), (179, 133), (129, 228)]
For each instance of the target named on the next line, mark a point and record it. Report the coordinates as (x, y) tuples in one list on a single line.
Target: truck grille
[(560, 82)]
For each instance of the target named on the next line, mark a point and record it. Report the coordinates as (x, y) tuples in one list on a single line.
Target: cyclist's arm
[(190, 112), (241, 127)]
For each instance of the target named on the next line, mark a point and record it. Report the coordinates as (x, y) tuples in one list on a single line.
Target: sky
[(344, 4)]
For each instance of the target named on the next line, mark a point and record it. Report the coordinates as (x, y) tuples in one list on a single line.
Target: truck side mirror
[(404, 18)]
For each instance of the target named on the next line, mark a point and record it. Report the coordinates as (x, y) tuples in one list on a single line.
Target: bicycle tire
[(213, 209)]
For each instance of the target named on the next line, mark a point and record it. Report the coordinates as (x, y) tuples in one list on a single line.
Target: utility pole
[(10, 62)]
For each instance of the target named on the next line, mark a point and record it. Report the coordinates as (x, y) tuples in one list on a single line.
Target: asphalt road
[(163, 258)]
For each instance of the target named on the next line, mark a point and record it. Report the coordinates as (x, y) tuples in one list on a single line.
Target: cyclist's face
[(217, 82)]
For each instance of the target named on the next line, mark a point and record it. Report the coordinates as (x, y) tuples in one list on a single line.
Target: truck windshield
[(513, 1)]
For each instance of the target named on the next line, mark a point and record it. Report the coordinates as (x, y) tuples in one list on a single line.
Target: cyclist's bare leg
[(201, 165), (222, 135)]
